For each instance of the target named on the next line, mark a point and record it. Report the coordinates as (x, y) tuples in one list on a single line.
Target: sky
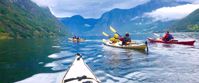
[(95, 8), (86, 8), (174, 13)]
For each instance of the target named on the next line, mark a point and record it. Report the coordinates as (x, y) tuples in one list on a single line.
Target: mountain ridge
[(132, 19), (24, 19), (78, 25), (189, 23)]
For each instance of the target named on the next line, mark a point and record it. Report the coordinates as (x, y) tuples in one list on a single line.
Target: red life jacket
[(166, 36), (121, 39)]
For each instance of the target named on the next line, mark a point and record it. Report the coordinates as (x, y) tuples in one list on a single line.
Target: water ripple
[(164, 63)]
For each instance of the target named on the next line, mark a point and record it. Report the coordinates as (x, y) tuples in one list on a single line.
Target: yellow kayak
[(76, 40), (131, 46)]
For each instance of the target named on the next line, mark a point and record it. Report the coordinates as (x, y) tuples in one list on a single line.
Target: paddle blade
[(112, 29), (105, 34), (103, 40), (156, 34)]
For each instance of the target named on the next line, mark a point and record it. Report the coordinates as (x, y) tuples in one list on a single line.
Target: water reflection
[(20, 58), (46, 61)]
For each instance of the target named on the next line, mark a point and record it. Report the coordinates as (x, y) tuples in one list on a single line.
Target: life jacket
[(170, 37), (114, 40), (127, 39), (116, 36), (121, 39), (167, 37)]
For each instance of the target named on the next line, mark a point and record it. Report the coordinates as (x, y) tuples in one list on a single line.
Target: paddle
[(105, 34), (114, 31), (156, 35), (147, 48)]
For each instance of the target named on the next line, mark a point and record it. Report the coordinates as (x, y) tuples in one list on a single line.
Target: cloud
[(191, 1), (86, 8), (172, 13), (42, 3)]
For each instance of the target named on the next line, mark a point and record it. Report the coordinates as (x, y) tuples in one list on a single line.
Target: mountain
[(189, 23), (78, 25), (24, 19), (129, 20), (134, 20)]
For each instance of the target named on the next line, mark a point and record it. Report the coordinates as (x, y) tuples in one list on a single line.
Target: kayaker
[(78, 38), (126, 39), (74, 37), (115, 38), (167, 36)]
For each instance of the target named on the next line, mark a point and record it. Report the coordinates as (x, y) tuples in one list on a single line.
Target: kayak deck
[(131, 46), (172, 42), (79, 72)]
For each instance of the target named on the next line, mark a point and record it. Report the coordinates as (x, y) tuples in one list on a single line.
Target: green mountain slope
[(24, 19), (189, 23)]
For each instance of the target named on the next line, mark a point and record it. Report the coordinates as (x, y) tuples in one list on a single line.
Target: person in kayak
[(126, 40), (74, 37), (167, 36), (115, 38), (78, 38)]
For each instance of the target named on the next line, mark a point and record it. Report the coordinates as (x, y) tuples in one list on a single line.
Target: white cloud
[(191, 1), (86, 8), (42, 3), (172, 13)]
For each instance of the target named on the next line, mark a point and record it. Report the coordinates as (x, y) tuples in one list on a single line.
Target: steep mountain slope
[(131, 20), (24, 19), (189, 23), (134, 19), (78, 25)]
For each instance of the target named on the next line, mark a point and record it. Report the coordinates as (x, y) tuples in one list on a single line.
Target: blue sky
[(95, 8)]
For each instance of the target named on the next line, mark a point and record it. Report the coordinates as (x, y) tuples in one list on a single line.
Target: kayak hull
[(79, 72), (172, 42), (76, 40), (134, 46)]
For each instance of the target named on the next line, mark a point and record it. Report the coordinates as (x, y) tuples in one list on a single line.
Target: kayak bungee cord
[(79, 79), (79, 72)]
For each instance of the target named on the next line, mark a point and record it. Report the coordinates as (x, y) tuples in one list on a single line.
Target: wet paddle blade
[(105, 34), (112, 29), (156, 34)]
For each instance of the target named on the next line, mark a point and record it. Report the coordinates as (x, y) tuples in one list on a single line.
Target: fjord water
[(46, 60)]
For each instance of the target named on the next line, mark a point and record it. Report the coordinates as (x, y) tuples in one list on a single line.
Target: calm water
[(45, 61)]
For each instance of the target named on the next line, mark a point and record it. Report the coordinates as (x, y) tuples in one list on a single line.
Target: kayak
[(76, 40), (172, 41), (134, 46), (79, 72)]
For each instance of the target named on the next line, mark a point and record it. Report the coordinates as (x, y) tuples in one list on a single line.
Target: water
[(46, 60)]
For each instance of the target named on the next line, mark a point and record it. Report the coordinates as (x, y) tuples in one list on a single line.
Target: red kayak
[(171, 41)]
